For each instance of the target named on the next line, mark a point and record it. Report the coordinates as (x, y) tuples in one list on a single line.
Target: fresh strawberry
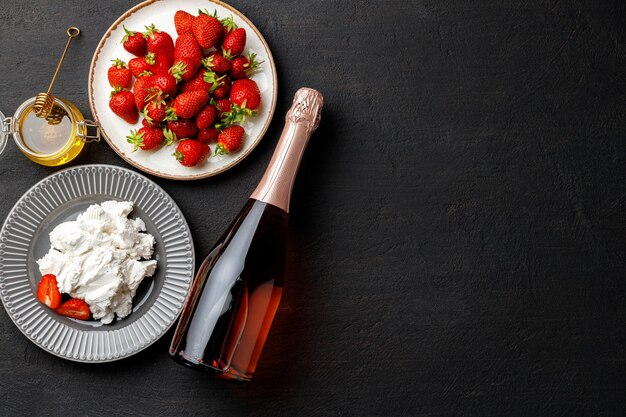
[(159, 42), (164, 82), (223, 105), (190, 152), (207, 135), (228, 25), (207, 29), (196, 83), (146, 138), (229, 140), (245, 93), (187, 105), (134, 42), (140, 67), (74, 308), (206, 116), (187, 47), (159, 63), (183, 128), (183, 22), (48, 291), (223, 90), (243, 67), (140, 90), (234, 43), (185, 68), (154, 112), (216, 62), (119, 75), (122, 103)]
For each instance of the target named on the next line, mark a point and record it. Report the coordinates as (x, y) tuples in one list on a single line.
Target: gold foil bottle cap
[(306, 109)]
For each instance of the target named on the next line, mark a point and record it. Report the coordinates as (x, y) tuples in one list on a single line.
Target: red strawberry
[(48, 291), (74, 308), (183, 22), (146, 138), (229, 140), (140, 67), (187, 105), (217, 63), (243, 67), (119, 75), (122, 103), (185, 68), (159, 42), (164, 82), (222, 91), (207, 29), (134, 42), (187, 46), (154, 112), (207, 135), (234, 43), (245, 93), (206, 116), (196, 83), (191, 152), (223, 105), (183, 128), (159, 63), (140, 90)]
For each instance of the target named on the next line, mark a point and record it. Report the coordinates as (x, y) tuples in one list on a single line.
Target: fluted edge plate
[(61, 197)]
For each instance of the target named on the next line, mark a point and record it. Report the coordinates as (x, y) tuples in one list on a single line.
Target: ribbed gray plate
[(61, 197)]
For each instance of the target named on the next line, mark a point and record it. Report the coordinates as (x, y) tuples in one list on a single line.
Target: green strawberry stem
[(236, 115), (150, 58), (227, 54), (150, 30), (252, 64), (221, 150), (118, 63), (178, 155), (178, 70), (205, 11), (145, 115), (229, 23), (170, 137), (170, 114), (128, 34), (136, 139), (116, 90)]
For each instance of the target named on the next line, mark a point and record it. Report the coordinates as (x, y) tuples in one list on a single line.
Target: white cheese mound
[(101, 258)]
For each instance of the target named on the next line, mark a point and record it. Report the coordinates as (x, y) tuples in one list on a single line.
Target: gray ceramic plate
[(62, 197)]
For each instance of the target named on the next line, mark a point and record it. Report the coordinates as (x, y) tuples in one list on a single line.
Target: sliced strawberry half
[(48, 291), (75, 308)]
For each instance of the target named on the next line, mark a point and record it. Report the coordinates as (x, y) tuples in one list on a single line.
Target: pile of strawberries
[(192, 92)]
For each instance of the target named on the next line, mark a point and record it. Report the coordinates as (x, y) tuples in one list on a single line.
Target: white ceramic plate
[(115, 130), (62, 197)]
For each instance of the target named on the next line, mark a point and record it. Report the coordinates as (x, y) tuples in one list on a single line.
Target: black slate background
[(458, 232)]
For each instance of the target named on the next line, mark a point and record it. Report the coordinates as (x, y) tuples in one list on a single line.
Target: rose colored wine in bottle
[(237, 289)]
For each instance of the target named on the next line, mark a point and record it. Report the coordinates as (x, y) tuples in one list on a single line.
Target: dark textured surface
[(458, 232)]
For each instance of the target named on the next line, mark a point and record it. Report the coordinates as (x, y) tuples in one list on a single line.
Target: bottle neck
[(277, 182)]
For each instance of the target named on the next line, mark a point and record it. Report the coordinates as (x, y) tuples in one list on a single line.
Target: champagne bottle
[(238, 287)]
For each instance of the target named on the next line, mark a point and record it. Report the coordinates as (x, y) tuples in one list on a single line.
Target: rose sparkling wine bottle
[(237, 289)]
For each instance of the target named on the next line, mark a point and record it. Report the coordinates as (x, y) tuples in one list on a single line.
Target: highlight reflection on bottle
[(237, 289)]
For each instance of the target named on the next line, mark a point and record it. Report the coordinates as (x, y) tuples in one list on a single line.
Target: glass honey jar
[(51, 141)]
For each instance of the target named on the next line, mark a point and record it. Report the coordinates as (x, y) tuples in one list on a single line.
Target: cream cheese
[(101, 258)]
